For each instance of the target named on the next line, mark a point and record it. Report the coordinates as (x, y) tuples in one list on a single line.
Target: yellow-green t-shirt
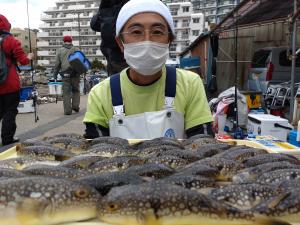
[(190, 99)]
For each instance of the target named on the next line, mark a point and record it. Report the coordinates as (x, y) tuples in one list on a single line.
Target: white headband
[(134, 7)]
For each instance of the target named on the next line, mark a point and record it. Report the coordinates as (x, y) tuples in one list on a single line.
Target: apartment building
[(23, 36), (214, 10), (68, 17), (188, 25)]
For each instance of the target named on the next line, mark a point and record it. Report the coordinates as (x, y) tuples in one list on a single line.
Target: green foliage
[(97, 65), (39, 67)]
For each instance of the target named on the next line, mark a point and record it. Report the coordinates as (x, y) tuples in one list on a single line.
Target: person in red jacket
[(10, 89)]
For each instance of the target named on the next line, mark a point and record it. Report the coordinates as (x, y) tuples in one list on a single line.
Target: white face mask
[(147, 57)]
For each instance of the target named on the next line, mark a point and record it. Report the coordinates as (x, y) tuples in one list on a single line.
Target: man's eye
[(157, 32), (136, 32)]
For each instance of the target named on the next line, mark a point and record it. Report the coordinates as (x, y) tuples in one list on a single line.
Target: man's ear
[(120, 43)]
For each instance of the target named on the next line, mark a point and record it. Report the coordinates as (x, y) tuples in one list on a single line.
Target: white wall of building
[(62, 20), (188, 26)]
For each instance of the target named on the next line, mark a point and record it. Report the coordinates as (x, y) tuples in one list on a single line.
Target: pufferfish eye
[(112, 207), (81, 193)]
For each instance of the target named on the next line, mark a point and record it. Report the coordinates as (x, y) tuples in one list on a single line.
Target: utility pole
[(217, 11), (294, 40), (79, 45), (79, 37)]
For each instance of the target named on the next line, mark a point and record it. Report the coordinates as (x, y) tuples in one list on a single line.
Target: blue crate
[(292, 138), (25, 93)]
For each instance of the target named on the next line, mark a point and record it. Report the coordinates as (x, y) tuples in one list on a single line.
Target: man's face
[(144, 27)]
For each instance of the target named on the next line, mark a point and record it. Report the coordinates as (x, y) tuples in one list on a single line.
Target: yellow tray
[(11, 153), (268, 143)]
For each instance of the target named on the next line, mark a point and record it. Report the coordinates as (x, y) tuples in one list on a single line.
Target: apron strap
[(116, 94), (170, 88)]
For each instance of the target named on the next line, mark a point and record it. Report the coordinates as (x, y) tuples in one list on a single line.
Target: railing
[(185, 24)]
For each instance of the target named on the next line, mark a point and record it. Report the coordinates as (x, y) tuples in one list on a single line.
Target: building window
[(173, 47), (175, 23), (196, 20), (185, 8), (195, 32), (185, 34), (174, 12), (185, 23)]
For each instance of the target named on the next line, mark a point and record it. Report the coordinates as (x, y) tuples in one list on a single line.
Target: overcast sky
[(16, 11)]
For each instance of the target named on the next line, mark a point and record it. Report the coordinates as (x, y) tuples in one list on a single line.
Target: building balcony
[(68, 1), (43, 53), (76, 43), (43, 62), (71, 33), (88, 44), (52, 9), (89, 34), (42, 34), (62, 1), (185, 25), (45, 25), (46, 17), (209, 6), (42, 44), (227, 4), (99, 53), (98, 42), (75, 7)]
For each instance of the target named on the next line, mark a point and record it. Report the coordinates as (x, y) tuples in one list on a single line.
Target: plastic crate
[(55, 88), (26, 107), (25, 93), (292, 138)]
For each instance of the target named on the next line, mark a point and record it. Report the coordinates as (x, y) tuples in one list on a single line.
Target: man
[(71, 80), (147, 100), (10, 88), (104, 21)]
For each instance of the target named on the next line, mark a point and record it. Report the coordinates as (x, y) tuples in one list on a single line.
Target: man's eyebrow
[(158, 25), (135, 25)]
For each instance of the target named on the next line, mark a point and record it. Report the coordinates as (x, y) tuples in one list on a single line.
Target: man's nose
[(147, 35)]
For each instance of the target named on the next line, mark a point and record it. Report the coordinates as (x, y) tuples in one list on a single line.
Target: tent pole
[(294, 40)]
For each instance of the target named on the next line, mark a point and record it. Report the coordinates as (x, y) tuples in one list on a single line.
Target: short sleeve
[(95, 112), (197, 110)]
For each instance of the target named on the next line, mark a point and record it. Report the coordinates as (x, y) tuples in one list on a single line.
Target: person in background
[(71, 80), (104, 21), (10, 88), (148, 99)]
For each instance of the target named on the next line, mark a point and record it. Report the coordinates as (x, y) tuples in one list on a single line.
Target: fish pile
[(163, 181)]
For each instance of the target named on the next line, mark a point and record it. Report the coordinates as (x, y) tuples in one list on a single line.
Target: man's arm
[(95, 23), (200, 129), (93, 130), (17, 52), (57, 65), (198, 116), (95, 118)]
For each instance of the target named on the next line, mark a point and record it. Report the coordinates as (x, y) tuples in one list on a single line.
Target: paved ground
[(51, 121)]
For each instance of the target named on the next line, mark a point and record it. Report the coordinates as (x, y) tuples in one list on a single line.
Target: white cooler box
[(55, 88), (265, 124), (26, 107)]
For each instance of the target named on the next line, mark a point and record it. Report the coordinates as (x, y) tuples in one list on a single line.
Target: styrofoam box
[(264, 124), (55, 88), (26, 107)]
